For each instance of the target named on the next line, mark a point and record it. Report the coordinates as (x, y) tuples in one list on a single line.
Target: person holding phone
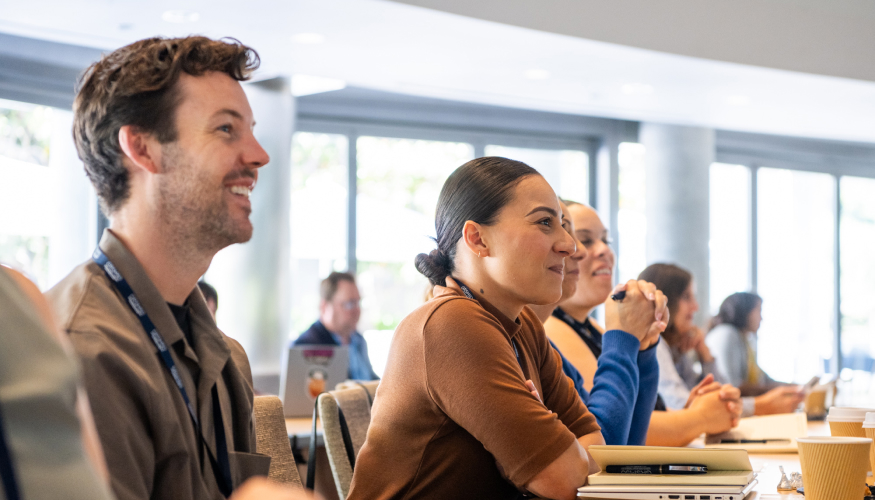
[(732, 340), (473, 402)]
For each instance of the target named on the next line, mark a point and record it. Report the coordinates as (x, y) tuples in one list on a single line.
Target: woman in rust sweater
[(473, 402)]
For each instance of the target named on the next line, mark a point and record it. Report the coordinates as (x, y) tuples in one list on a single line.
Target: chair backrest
[(272, 439), (369, 385), (345, 416)]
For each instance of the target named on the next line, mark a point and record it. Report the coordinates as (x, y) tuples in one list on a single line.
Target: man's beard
[(196, 213)]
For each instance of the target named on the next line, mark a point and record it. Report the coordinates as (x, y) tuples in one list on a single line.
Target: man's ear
[(474, 238), (142, 149)]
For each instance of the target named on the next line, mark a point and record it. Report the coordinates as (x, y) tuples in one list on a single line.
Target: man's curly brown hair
[(136, 85)]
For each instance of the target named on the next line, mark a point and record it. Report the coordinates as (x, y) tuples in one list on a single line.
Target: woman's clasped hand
[(643, 312)]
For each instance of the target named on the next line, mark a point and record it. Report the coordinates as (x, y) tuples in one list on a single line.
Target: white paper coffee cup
[(848, 414)]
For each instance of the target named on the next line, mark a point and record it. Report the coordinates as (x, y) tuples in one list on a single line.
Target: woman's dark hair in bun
[(476, 191)]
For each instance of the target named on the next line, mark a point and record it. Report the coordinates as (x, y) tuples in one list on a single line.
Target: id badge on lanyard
[(222, 465)]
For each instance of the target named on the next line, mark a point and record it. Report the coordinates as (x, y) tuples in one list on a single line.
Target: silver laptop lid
[(309, 370)]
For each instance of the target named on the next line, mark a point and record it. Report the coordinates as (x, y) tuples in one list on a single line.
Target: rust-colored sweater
[(453, 403)]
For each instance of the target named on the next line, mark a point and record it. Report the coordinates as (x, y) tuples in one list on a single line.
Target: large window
[(632, 217), (399, 181), (567, 171), (47, 208), (799, 227), (730, 244), (319, 201), (796, 262), (25, 136), (857, 238)]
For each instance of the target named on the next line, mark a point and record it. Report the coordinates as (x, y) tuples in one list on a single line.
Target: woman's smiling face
[(597, 267), (572, 262), (528, 245)]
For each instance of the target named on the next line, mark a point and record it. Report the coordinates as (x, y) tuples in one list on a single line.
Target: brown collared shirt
[(147, 434)]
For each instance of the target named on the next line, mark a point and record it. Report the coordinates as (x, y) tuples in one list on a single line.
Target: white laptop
[(307, 371), (667, 492)]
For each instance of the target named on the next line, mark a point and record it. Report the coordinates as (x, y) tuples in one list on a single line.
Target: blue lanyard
[(467, 292), (221, 467), (7, 467)]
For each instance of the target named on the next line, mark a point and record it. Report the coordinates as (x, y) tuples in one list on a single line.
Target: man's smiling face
[(209, 171)]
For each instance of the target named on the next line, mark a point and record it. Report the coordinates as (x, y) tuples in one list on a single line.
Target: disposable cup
[(869, 420), (869, 429), (848, 422), (815, 404), (834, 468), (870, 433), (846, 429)]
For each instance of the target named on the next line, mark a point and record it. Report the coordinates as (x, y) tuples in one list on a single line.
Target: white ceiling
[(401, 48), (811, 36)]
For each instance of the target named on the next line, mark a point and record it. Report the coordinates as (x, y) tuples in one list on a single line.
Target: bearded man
[(165, 132)]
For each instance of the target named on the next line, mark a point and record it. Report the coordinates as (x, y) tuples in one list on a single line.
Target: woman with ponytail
[(473, 402)]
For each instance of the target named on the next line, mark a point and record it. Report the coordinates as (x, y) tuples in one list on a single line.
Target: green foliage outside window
[(26, 134), (29, 254)]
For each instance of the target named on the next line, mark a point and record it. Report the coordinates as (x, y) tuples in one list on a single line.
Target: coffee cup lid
[(869, 423), (847, 414), (833, 440)]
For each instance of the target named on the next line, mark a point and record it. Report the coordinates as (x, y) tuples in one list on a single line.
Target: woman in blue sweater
[(609, 362), (623, 392)]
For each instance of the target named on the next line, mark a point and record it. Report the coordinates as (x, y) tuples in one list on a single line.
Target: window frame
[(835, 158), (478, 139)]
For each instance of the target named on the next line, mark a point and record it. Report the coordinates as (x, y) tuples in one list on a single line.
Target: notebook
[(308, 371), (729, 477), (772, 433), (725, 467)]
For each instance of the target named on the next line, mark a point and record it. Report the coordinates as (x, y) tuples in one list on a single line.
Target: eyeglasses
[(349, 305)]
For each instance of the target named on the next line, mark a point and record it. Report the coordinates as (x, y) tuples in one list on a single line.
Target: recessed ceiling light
[(180, 16), (537, 74), (309, 84), (738, 100), (309, 38), (637, 89)]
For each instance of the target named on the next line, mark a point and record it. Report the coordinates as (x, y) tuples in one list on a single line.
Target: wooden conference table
[(765, 464), (299, 430)]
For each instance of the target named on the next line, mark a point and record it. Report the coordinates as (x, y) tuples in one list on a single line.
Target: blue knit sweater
[(624, 389)]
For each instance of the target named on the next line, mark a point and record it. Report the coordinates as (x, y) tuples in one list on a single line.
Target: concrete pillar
[(253, 279), (678, 163)]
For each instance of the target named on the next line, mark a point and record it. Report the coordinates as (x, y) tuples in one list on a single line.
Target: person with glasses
[(339, 313)]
